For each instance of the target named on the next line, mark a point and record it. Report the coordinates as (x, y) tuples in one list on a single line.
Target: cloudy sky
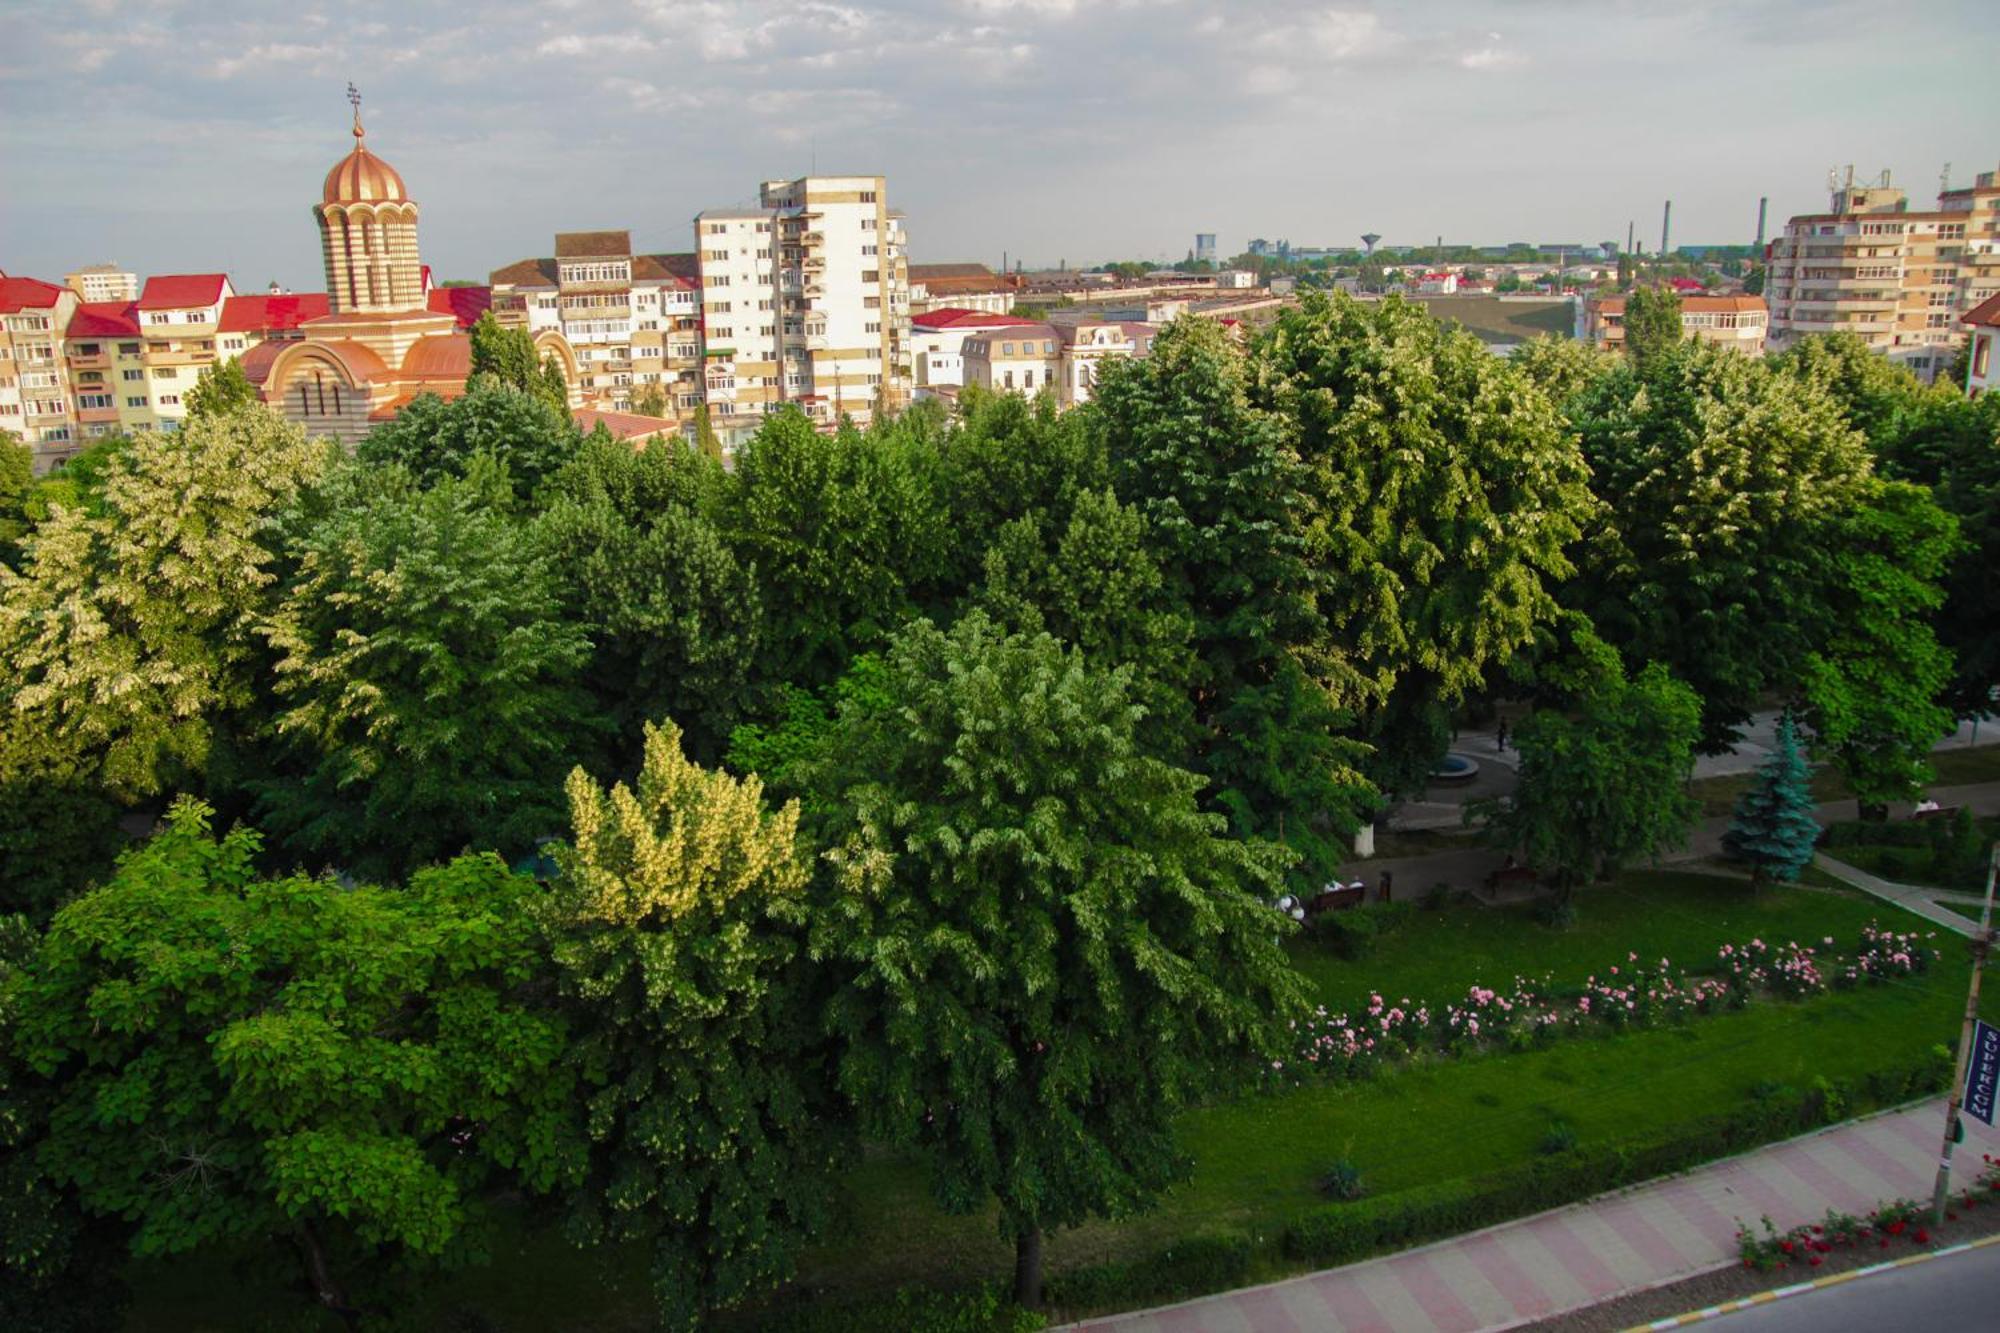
[(193, 134)]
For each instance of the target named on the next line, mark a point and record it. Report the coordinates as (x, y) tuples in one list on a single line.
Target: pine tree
[(1774, 829)]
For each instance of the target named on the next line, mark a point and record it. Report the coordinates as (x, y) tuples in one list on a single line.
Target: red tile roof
[(176, 291), (27, 293), (467, 303), (624, 426), (682, 268), (956, 317), (103, 319), (1987, 312), (525, 273), (268, 314)]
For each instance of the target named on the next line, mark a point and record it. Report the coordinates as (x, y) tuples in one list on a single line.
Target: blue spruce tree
[(1773, 828)]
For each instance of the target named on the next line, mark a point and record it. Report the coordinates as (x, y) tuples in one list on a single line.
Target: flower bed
[(1534, 1013), (1808, 1244)]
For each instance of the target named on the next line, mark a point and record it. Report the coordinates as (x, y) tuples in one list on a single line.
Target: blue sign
[(1982, 1073)]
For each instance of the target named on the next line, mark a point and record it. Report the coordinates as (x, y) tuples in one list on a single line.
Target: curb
[(1799, 1288)]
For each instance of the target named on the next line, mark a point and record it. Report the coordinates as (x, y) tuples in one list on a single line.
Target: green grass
[(1256, 1157), (1952, 768)]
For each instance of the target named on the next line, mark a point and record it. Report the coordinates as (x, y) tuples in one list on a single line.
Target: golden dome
[(362, 177)]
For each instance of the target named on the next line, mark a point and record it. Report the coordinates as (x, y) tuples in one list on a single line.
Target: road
[(1957, 1292)]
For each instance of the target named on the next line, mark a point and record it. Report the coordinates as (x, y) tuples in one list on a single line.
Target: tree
[(17, 482), (507, 354), (677, 923), (649, 400), (1652, 323), (425, 678), (705, 438), (1721, 480), (434, 439), (672, 615), (1876, 395), (843, 530), (1605, 782), (1013, 459), (1224, 502), (130, 632), (349, 1070), (1871, 683), (1442, 494), (1774, 829), (1753, 281), (220, 388), (1561, 368), (1042, 947)]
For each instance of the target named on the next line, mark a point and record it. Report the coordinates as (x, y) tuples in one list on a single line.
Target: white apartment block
[(805, 300), (1899, 280), (34, 381)]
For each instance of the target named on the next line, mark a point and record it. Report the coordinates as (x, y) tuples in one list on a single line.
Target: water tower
[(1368, 239)]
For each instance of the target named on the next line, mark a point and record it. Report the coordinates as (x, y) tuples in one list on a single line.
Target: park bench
[(1942, 812), (1335, 898), (1507, 875)]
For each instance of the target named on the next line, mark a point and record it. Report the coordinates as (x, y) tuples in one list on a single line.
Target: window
[(868, 250), (87, 349), (133, 376), (868, 224), (718, 307), (715, 256), (871, 303), (135, 402), (170, 400), (868, 196), (1010, 379), (1981, 355), (871, 275), (165, 373), (1006, 349), (1048, 347), (764, 304), (90, 402), (873, 326), (128, 349), (765, 253), (717, 229), (1027, 379)]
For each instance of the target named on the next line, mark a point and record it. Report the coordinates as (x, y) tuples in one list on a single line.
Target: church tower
[(368, 233)]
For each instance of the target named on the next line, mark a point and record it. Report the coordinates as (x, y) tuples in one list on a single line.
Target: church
[(381, 343)]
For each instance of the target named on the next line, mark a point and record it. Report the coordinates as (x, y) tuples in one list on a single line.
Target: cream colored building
[(106, 356), (633, 321), (937, 339), (34, 380), (102, 283), (1088, 344), (180, 319), (1899, 280), (1741, 322), (1026, 359)]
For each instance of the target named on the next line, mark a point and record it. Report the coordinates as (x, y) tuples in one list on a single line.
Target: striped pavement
[(1637, 1238)]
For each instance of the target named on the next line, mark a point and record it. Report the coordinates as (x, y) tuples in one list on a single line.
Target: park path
[(1573, 1257)]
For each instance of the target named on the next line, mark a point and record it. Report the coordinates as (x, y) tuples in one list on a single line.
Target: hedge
[(1343, 1233), (1189, 1267), (910, 1310)]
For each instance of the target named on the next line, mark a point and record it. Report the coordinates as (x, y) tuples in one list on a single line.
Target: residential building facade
[(101, 283), (1087, 345), (180, 319), (937, 341), (106, 357), (34, 380), (1741, 322), (1899, 280), (1025, 358), (633, 320)]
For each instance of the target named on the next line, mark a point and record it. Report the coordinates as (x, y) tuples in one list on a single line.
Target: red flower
[(1817, 1230), (1896, 1228), (1923, 1236), (1951, 1217), (1785, 1245), (1817, 1261), (1885, 1242)]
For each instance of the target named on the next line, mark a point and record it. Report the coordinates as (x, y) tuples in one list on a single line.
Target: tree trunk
[(326, 1288), (1028, 1269)]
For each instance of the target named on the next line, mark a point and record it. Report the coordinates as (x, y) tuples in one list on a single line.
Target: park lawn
[(1256, 1157), (1681, 916)]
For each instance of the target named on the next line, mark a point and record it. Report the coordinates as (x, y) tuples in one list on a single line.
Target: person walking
[(1500, 737)]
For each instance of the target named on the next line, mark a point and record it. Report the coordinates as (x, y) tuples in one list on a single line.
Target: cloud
[(1492, 57), (260, 57)]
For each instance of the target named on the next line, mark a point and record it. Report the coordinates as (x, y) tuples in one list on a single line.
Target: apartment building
[(34, 382), (106, 358), (251, 321), (937, 342), (1982, 362), (102, 283), (180, 319), (633, 320), (1026, 359), (844, 295), (962, 287), (1900, 280), (1741, 322)]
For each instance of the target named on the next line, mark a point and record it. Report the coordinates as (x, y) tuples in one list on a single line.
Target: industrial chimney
[(1763, 207), (1666, 224)]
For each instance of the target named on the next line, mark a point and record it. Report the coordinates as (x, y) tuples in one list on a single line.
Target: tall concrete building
[(805, 300), (633, 320), (1898, 279), (103, 282), (1204, 247), (34, 381)]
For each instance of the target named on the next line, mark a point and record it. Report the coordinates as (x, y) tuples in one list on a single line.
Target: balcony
[(97, 359)]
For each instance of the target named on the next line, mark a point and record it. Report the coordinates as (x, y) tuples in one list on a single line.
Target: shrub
[(1352, 933), (1560, 1137), (1438, 896), (910, 1310), (1186, 1268), (1343, 1181)]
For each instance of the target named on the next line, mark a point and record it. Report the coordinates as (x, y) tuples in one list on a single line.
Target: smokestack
[(1763, 206), (1666, 224), (1629, 225)]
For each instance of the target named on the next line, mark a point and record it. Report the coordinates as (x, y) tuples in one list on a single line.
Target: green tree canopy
[(1014, 458), (673, 616), (1604, 783), (1652, 323), (17, 481), (1224, 502), (434, 438), (425, 675), (234, 1058), (508, 355), (1444, 491), (129, 632), (220, 388), (677, 921), (1043, 947), (1723, 481)]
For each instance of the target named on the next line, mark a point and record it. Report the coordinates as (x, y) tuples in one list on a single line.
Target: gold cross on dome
[(354, 98)]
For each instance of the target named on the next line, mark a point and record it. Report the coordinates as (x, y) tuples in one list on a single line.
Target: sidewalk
[(1577, 1256), (1910, 897)]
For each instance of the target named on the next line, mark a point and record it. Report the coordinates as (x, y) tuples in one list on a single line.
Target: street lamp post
[(1981, 943)]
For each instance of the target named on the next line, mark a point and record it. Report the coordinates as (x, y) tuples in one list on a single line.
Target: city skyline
[(1004, 125)]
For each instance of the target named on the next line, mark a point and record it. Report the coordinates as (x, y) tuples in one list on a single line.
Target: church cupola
[(368, 233)]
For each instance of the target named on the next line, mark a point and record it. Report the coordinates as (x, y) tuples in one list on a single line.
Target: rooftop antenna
[(1944, 179)]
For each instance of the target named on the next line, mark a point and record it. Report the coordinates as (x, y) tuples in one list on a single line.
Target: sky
[(193, 136)]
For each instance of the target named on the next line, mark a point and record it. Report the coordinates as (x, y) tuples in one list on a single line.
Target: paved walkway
[(1915, 898), (1578, 1256)]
